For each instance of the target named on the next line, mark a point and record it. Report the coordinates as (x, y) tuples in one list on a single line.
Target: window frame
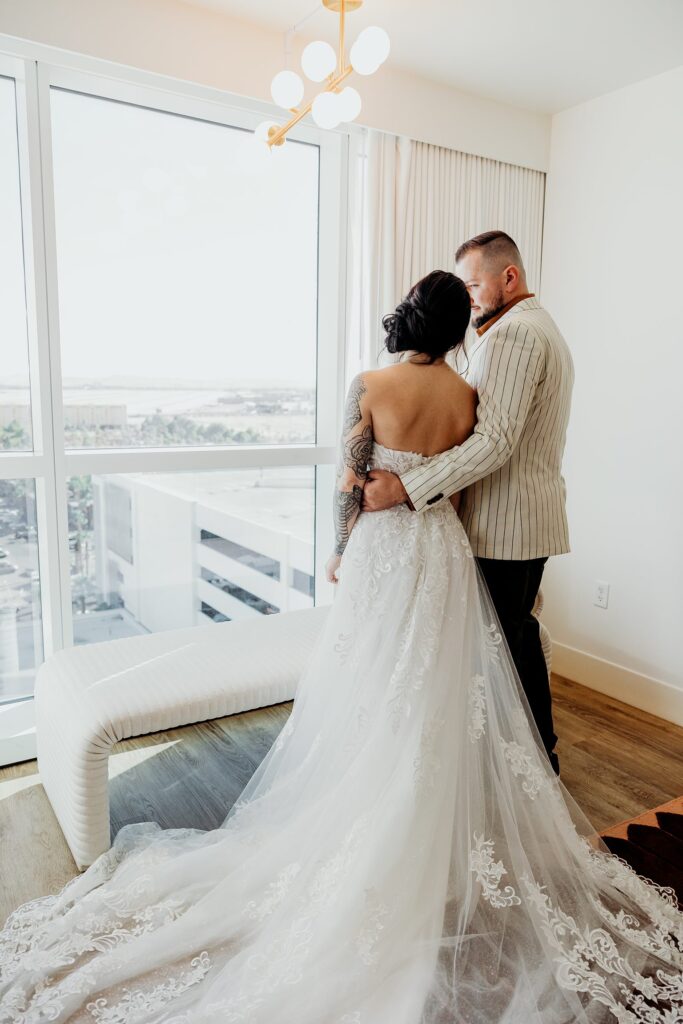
[(36, 69)]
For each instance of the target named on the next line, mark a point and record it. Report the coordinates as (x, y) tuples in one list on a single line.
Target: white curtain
[(412, 204)]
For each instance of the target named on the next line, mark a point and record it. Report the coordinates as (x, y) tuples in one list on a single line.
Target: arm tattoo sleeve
[(352, 413), (352, 468), (346, 508)]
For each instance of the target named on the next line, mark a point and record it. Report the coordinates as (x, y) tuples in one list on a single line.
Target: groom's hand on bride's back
[(383, 490)]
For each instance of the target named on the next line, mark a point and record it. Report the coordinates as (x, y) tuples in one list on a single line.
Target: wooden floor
[(615, 760)]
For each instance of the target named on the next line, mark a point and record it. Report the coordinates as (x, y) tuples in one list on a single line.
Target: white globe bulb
[(261, 131), (349, 104), (325, 110), (370, 50), (287, 89), (318, 61)]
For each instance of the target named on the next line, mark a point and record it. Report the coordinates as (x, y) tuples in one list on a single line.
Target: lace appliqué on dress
[(99, 932), (275, 894), (137, 1004), (489, 873), (589, 960), (664, 935), (477, 708), (522, 763), (343, 647), (281, 961), (492, 642), (419, 641), (47, 1000), (427, 763)]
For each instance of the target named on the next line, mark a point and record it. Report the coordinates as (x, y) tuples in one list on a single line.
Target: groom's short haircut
[(498, 250)]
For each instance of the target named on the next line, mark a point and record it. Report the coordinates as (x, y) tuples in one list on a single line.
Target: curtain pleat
[(418, 203)]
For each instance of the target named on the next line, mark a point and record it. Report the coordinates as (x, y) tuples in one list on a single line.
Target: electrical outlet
[(601, 595)]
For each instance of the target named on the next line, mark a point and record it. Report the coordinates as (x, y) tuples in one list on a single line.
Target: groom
[(514, 507)]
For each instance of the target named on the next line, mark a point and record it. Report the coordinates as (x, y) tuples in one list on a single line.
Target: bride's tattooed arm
[(352, 469)]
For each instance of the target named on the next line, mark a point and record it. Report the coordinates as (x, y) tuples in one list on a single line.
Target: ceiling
[(543, 55)]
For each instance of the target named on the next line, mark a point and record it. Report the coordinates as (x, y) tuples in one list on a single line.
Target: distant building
[(15, 414), (74, 416), (174, 550), (95, 416)]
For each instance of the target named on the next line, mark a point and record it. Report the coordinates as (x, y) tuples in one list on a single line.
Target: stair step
[(647, 863), (659, 842), (671, 823)]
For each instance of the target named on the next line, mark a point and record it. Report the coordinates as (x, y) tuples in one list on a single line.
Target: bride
[(404, 854)]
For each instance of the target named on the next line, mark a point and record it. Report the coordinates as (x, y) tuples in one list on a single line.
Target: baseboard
[(648, 694)]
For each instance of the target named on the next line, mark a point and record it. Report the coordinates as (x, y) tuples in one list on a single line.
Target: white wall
[(613, 279), (210, 48)]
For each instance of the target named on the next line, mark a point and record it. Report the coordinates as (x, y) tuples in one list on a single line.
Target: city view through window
[(186, 316), (187, 311), (148, 414), (21, 639), (139, 413)]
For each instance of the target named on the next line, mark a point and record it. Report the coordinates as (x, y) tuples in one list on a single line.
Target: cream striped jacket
[(514, 504)]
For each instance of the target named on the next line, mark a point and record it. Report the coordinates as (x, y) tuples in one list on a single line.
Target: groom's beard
[(494, 309)]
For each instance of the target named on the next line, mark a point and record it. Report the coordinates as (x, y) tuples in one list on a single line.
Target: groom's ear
[(511, 277)]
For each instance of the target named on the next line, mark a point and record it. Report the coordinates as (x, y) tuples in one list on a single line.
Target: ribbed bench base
[(89, 698)]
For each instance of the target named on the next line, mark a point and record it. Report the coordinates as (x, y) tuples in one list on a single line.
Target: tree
[(14, 436)]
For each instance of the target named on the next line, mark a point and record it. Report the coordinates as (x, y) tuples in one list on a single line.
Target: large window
[(21, 626), (170, 315), (15, 420), (188, 279)]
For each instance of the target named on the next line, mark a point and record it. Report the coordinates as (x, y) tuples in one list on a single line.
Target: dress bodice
[(396, 460)]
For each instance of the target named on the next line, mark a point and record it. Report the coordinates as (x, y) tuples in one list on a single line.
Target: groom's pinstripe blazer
[(514, 505)]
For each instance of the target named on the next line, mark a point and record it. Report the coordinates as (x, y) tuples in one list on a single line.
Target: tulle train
[(403, 855)]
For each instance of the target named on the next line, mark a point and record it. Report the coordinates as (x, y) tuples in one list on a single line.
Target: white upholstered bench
[(88, 698)]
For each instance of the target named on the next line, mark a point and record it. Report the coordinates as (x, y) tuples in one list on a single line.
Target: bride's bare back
[(420, 407)]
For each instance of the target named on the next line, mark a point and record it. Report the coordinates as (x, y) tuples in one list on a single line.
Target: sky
[(12, 303), (184, 249)]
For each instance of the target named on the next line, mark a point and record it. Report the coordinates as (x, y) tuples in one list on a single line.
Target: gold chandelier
[(333, 104)]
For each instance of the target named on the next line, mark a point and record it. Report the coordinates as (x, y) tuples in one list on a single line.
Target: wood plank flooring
[(616, 761)]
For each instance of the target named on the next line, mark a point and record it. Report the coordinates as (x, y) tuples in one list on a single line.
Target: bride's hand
[(333, 563)]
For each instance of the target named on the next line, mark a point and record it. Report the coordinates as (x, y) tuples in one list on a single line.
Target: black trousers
[(513, 586)]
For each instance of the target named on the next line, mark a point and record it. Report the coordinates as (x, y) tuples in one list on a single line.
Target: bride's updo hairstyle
[(432, 319)]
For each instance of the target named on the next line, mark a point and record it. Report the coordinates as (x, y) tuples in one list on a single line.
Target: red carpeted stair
[(652, 844)]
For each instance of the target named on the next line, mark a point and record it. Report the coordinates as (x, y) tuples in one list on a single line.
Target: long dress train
[(404, 854)]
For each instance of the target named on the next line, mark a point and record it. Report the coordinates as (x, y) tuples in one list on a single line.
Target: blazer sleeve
[(514, 367)]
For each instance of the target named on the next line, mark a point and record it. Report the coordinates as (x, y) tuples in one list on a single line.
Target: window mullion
[(176, 460), (50, 426)]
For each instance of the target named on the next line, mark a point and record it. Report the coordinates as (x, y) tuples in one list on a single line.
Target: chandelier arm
[(278, 136), (342, 13)]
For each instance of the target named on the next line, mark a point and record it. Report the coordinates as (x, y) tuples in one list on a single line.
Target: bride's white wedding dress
[(403, 855)]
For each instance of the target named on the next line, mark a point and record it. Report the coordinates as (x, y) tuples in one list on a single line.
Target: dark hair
[(432, 318), (499, 247)]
